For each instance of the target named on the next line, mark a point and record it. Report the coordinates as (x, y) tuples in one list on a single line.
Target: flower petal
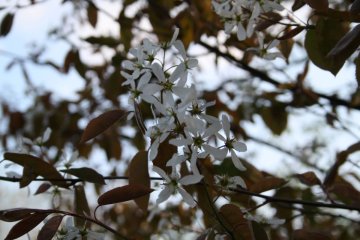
[(158, 71), (190, 179), (161, 173), (236, 161), (239, 146), (164, 195), (187, 197)]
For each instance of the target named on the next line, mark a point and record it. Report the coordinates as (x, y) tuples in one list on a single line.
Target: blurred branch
[(237, 190), (266, 78)]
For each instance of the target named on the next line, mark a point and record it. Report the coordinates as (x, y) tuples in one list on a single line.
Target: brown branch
[(266, 78)]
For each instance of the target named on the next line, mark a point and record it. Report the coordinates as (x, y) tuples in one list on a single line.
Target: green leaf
[(86, 174), (100, 124), (320, 41), (123, 194), (139, 174), (6, 24), (25, 225), (37, 166), (50, 228)]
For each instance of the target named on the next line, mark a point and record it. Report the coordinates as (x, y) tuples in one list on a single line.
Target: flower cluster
[(158, 75), (242, 16)]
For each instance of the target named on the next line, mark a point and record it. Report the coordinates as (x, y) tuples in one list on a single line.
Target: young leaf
[(308, 178), (50, 228), (92, 14), (236, 221), (101, 123), (37, 166), (15, 214), (25, 225), (6, 24), (123, 194), (69, 59), (320, 5), (355, 7), (86, 174), (139, 174)]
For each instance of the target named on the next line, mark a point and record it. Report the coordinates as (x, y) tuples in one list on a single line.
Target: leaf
[(139, 174), (42, 188), (319, 42), (165, 152), (101, 123), (68, 61), (123, 194), (103, 41), (308, 178), (15, 214), (355, 7), (236, 221), (81, 205), (259, 232), (297, 5), (346, 46), (357, 70), (267, 183), (86, 174), (292, 33), (6, 24), (303, 234), (25, 225), (275, 117), (50, 228), (92, 14), (320, 5), (37, 166)]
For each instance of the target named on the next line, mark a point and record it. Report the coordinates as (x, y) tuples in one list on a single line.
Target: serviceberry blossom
[(226, 182), (158, 75), (242, 16), (174, 185), (263, 49)]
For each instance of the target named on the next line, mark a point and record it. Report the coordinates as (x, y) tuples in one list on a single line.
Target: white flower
[(230, 144), (70, 232), (263, 50), (174, 184), (227, 182), (274, 222)]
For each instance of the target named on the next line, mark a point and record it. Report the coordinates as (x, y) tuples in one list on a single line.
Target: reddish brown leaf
[(101, 123), (15, 214), (266, 184), (292, 33), (165, 152), (37, 166), (308, 178), (25, 225), (123, 194), (355, 7), (320, 5), (86, 174), (236, 222), (139, 174), (92, 14), (42, 188), (50, 228), (304, 234), (6, 24)]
